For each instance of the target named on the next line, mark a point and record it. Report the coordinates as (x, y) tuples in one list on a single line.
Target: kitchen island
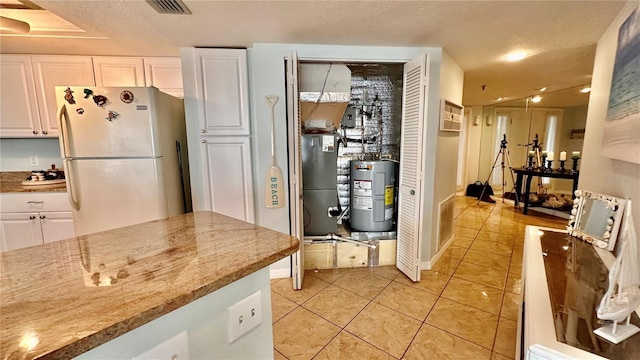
[(120, 292)]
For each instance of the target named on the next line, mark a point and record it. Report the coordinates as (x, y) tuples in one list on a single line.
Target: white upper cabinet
[(165, 74), (19, 108), (27, 85), (118, 71), (221, 87), (55, 70)]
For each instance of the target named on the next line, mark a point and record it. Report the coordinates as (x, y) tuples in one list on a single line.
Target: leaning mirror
[(595, 218)]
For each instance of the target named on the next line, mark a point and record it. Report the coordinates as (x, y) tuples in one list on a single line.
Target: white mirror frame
[(606, 240)]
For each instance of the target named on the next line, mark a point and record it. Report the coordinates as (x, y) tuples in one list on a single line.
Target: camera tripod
[(503, 155)]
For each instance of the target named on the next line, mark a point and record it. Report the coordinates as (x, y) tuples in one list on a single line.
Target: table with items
[(521, 173)]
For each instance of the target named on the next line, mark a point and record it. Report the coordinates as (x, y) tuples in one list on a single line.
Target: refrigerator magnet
[(87, 93), (112, 115), (80, 111), (68, 95), (126, 96), (100, 100)]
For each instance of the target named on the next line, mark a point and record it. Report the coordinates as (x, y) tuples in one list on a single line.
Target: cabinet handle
[(203, 141), (203, 131), (32, 217), (43, 217), (35, 132), (45, 132), (35, 202)]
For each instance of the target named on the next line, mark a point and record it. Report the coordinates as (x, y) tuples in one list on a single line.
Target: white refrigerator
[(124, 152)]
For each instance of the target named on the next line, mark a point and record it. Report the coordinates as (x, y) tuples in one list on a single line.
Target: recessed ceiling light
[(542, 89), (536, 99), (585, 90), (516, 55), (499, 99)]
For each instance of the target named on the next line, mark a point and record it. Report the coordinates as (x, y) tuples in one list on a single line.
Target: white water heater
[(372, 195)]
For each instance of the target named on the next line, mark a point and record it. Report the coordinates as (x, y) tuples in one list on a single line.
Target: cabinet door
[(165, 74), (56, 225), (19, 230), (50, 71), (228, 179), (118, 71), (19, 110), (221, 86)]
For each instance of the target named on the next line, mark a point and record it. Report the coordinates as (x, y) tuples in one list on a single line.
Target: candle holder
[(549, 166), (574, 167), (544, 161), (562, 169), (530, 166)]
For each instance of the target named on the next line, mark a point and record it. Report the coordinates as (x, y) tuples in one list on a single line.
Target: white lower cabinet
[(28, 219), (19, 230), (56, 225)]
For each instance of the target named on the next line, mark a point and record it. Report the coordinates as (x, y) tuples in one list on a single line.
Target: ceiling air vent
[(169, 7)]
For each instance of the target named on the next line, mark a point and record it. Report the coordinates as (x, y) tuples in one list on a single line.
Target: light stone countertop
[(61, 299), (11, 182)]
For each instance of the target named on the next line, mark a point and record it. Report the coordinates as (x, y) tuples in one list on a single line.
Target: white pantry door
[(295, 167), (414, 113)]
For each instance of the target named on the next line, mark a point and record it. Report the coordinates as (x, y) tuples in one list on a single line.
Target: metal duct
[(325, 92)]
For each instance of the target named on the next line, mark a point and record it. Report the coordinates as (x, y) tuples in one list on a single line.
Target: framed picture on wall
[(450, 116), (622, 126)]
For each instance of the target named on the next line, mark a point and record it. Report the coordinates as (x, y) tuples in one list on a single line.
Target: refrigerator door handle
[(63, 119), (71, 188)]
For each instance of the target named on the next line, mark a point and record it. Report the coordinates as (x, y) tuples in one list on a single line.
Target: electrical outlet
[(244, 315), (33, 160), (174, 348)]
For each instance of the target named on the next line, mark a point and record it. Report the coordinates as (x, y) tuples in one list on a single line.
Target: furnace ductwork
[(325, 92)]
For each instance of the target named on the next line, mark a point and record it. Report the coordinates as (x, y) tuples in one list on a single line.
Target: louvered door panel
[(411, 150)]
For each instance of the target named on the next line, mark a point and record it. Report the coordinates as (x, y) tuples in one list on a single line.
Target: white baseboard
[(427, 265), (279, 273)]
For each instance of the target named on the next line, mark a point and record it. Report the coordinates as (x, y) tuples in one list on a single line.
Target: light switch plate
[(244, 315)]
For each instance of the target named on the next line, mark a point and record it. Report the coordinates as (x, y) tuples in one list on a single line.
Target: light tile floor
[(466, 307)]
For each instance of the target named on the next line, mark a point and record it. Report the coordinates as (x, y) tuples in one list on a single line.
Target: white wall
[(267, 77), (599, 173), (473, 138), (445, 82), (14, 154), (572, 118)]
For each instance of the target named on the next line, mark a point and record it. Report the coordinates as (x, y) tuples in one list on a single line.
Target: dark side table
[(530, 174)]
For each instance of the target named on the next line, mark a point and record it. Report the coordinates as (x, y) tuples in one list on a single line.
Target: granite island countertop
[(61, 299)]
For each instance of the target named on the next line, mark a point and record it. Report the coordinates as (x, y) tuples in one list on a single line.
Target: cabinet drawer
[(34, 202)]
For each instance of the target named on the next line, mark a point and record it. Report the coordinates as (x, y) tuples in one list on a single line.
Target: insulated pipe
[(354, 241), (336, 237), (319, 237)]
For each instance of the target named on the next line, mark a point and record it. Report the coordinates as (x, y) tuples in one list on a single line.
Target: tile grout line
[(504, 291), (349, 322)]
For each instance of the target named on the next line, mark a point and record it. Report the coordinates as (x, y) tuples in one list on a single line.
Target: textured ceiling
[(560, 36)]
